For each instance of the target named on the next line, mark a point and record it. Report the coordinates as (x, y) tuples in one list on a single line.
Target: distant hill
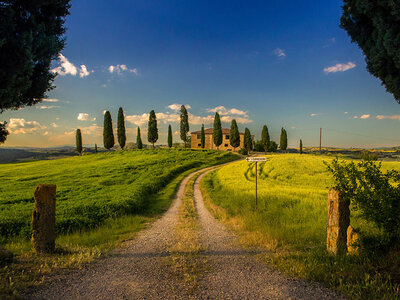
[(11, 155)]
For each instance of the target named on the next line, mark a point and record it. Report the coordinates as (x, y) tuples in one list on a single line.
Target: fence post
[(338, 222), (44, 218)]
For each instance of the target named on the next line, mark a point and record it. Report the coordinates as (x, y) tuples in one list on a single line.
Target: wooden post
[(44, 218), (338, 222), (256, 185)]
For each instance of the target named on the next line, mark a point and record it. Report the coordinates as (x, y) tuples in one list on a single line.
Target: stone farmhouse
[(209, 144)]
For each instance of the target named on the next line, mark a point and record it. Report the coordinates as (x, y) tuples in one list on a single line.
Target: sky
[(282, 63)]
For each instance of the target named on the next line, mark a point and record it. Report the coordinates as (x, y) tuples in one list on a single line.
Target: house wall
[(209, 144)]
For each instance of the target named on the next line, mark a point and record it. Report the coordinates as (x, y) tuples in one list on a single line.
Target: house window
[(227, 137), (199, 145), (199, 136), (226, 145)]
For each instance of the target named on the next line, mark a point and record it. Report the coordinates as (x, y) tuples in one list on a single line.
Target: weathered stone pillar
[(44, 218), (338, 222)]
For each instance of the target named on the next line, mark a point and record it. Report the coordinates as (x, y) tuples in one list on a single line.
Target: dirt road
[(138, 270)]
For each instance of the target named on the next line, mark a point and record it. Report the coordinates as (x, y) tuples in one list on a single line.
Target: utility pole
[(320, 140)]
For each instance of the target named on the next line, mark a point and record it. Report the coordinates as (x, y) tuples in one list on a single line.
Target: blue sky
[(279, 63)]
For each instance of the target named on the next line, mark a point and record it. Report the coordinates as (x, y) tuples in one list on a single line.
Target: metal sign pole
[(256, 160), (256, 185)]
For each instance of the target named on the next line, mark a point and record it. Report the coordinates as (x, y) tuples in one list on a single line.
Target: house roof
[(211, 130)]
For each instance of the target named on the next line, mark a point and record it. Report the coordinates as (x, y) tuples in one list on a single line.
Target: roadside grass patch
[(291, 219)]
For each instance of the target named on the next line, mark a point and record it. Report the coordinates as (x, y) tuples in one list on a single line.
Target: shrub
[(366, 155), (272, 147), (243, 151), (376, 195), (258, 146)]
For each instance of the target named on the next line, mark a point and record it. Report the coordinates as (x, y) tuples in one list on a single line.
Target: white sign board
[(256, 159)]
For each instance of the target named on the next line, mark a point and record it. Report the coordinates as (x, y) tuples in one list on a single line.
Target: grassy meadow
[(291, 218)]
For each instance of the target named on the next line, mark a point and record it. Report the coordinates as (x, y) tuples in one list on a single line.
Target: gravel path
[(237, 274), (138, 270)]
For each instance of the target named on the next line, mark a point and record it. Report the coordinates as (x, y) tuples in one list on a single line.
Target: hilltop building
[(209, 144)]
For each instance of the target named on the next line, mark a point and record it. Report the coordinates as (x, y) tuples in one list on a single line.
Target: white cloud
[(280, 53), (54, 125), (223, 111), (355, 117), (138, 120), (83, 72), (177, 107), (339, 68), (313, 115), (68, 68), (118, 69), (83, 117), (393, 117), (346, 112), (20, 126), (104, 85), (51, 100), (365, 116), (235, 111), (47, 106)]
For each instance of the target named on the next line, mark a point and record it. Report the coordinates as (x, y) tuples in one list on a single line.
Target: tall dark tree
[(234, 138), (283, 140), (169, 136), (139, 143), (217, 131), (3, 132), (374, 26), (248, 141), (31, 36), (301, 146), (108, 134), (202, 137), (265, 138), (79, 141), (121, 128), (95, 148), (152, 130), (184, 124)]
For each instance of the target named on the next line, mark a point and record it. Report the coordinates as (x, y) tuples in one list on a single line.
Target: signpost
[(256, 160)]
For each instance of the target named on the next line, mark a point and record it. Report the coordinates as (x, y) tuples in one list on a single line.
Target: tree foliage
[(374, 193), (169, 136), (139, 143), (202, 137), (121, 128), (283, 141), (79, 141), (301, 146), (374, 26), (108, 134), (217, 131), (272, 147), (184, 125), (234, 138), (31, 36), (3, 132), (259, 146), (265, 138), (248, 140), (152, 130), (95, 148)]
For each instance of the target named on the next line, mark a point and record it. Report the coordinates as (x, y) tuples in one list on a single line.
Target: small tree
[(234, 138), (121, 128), (184, 126), (301, 146), (265, 138), (152, 130), (139, 143), (108, 134), (79, 141), (248, 141), (283, 142), (217, 131), (169, 136), (202, 137), (3, 132), (95, 148), (273, 146)]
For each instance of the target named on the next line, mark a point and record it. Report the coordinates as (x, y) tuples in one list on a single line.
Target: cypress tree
[(283, 142), (139, 143), (121, 128), (248, 141), (79, 141), (301, 146), (108, 134), (203, 137), (152, 130), (95, 148), (234, 138), (265, 138), (217, 132), (184, 124), (169, 136)]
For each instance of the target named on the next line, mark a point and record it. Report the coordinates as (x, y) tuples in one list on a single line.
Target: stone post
[(338, 222), (44, 218)]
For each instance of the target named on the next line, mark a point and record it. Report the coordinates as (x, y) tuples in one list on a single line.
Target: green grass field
[(93, 188), (291, 219)]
